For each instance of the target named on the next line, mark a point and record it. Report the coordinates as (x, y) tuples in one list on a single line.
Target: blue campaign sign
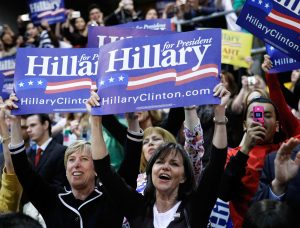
[(7, 71), (54, 80), (154, 24), (100, 35), (281, 62), (276, 22), (159, 72), (52, 11), (1, 84)]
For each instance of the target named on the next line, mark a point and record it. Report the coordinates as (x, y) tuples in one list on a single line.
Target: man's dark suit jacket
[(51, 164)]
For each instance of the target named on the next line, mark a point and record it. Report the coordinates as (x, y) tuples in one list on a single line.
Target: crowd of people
[(156, 168)]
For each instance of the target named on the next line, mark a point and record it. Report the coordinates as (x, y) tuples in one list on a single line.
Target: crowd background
[(244, 84)]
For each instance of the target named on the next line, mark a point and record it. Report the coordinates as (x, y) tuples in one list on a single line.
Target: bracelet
[(190, 108), (218, 122), (2, 140)]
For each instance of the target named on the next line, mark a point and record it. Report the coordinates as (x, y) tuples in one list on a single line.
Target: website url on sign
[(145, 97)]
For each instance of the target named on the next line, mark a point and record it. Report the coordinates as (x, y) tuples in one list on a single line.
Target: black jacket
[(62, 209), (193, 211), (292, 193), (51, 165)]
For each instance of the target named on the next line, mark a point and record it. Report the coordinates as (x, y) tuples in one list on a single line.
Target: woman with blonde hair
[(167, 137)]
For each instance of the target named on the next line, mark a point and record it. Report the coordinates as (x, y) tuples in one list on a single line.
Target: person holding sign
[(170, 198), (290, 125), (11, 189), (86, 205)]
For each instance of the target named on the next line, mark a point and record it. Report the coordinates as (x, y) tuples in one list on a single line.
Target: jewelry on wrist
[(3, 139), (220, 122)]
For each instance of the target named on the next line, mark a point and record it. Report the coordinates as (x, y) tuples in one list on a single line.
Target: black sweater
[(193, 211)]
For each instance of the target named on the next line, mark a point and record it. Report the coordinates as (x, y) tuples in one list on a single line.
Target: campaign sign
[(281, 62), (154, 24), (236, 47), (176, 70), (7, 71), (54, 80), (1, 84), (52, 11), (100, 35), (220, 215), (277, 22)]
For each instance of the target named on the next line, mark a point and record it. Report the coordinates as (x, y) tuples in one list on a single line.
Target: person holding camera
[(244, 163), (75, 29), (123, 14), (95, 16)]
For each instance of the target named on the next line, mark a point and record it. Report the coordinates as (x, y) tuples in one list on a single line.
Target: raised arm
[(290, 124), (129, 169), (220, 120), (126, 197), (33, 184), (285, 168), (193, 139), (238, 102), (99, 150), (11, 189), (5, 135), (207, 190)]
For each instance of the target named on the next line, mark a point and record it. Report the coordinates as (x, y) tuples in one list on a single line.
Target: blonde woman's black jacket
[(61, 209)]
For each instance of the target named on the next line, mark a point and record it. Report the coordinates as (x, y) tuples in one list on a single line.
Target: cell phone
[(25, 17), (258, 114), (75, 14), (251, 80)]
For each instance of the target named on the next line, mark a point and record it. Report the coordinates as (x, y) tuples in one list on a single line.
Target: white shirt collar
[(44, 145)]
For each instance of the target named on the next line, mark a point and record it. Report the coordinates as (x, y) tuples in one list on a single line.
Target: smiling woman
[(170, 171), (80, 168), (86, 205), (171, 198)]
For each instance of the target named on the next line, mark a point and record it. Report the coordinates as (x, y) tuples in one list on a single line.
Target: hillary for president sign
[(51, 10), (54, 80), (277, 22), (174, 70), (7, 71), (154, 24), (100, 35), (281, 62)]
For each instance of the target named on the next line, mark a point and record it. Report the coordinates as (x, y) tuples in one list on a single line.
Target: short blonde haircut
[(79, 145), (167, 137)]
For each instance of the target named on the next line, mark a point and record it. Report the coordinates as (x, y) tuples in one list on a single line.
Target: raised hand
[(9, 105), (93, 101), (285, 168), (133, 122), (267, 64), (223, 93)]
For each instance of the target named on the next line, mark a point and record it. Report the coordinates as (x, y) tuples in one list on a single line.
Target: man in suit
[(48, 157), (280, 179)]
